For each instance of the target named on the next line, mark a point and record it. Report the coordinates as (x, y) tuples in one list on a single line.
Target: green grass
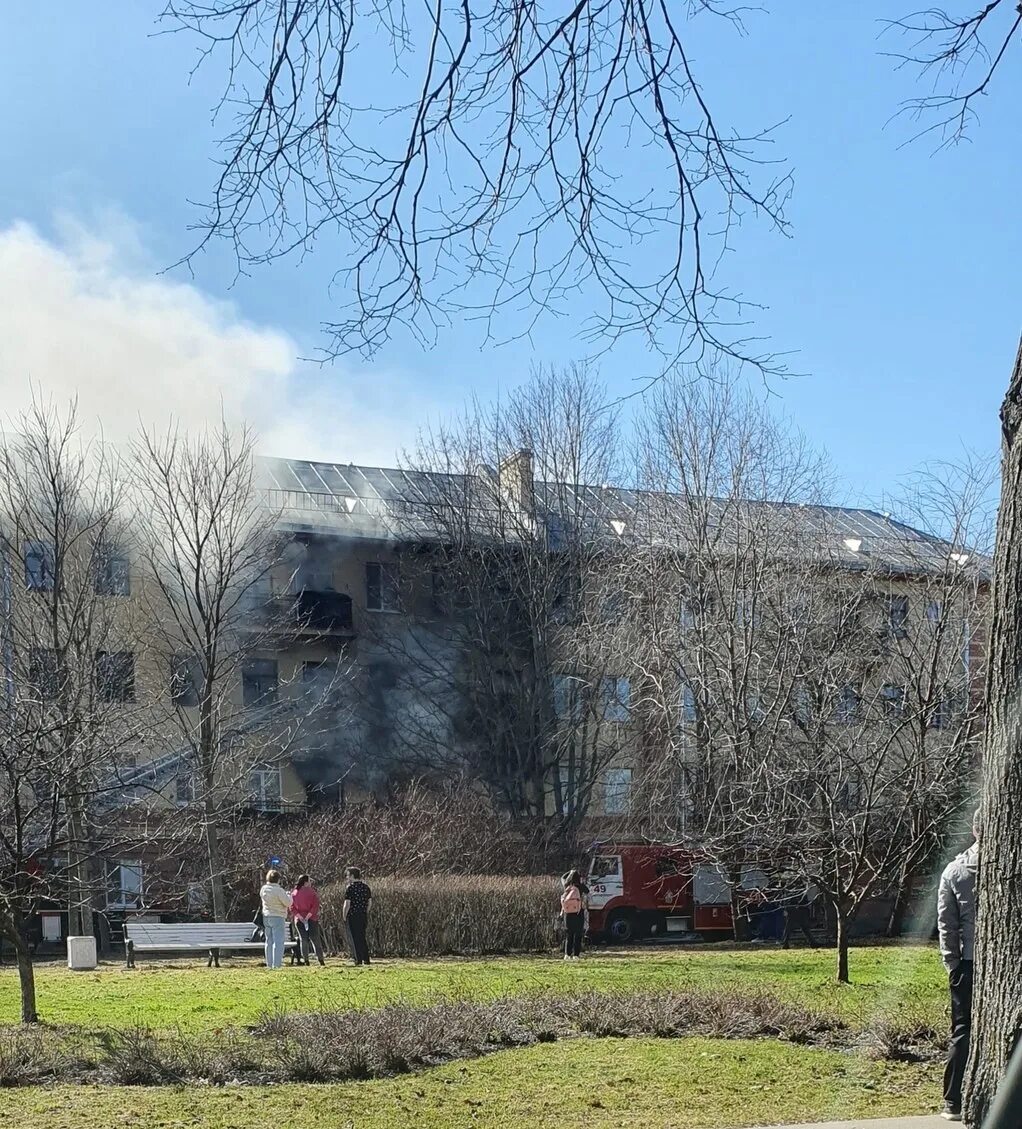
[(887, 980), (679, 1084)]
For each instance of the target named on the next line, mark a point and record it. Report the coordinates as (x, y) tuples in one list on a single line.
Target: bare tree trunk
[(79, 913), (899, 907), (997, 1013), (215, 861), (841, 914), (26, 981)]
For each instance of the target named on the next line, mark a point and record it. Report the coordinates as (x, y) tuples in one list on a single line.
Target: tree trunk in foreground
[(997, 1006), (26, 981), (215, 862), (842, 944)]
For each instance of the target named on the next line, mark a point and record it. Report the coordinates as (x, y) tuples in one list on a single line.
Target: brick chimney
[(514, 477)]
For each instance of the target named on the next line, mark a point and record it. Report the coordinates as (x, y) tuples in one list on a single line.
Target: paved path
[(893, 1123)]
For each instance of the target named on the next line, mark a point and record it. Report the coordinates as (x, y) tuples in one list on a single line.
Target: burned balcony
[(320, 613)]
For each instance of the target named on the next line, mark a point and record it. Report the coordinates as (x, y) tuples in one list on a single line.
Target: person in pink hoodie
[(305, 914)]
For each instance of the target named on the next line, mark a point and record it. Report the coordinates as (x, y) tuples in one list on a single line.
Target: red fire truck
[(642, 889)]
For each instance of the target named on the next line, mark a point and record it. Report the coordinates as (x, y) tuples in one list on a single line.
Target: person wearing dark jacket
[(358, 900), (956, 930)]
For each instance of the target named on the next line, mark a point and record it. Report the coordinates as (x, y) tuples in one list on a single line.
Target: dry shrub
[(134, 1056), (28, 1057), (229, 1057), (418, 917), (401, 1037), (905, 1038), (421, 831)]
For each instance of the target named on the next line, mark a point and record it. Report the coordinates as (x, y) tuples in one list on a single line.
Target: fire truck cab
[(642, 889)]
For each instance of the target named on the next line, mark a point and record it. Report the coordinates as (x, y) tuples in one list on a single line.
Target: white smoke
[(84, 315)]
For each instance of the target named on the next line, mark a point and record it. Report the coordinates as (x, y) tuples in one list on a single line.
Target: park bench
[(207, 936)]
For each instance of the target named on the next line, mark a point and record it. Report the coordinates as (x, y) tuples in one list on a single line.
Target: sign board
[(275, 861)]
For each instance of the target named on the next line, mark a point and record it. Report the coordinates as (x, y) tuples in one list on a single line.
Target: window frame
[(249, 677), (110, 580), (258, 799), (897, 621), (118, 867), (618, 782), (113, 679), (615, 707), (44, 678), (383, 587), (44, 579)]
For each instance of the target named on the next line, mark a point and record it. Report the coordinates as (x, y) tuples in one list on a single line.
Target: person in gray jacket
[(956, 928)]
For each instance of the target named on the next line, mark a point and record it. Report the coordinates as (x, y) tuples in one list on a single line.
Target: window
[(124, 884), (667, 867), (43, 674), (383, 583), (934, 612), (568, 778), (259, 682), (567, 697), (567, 598), (687, 616), (196, 896), (617, 791), (942, 714), (893, 698), (897, 617), (264, 787), (802, 704), (115, 676), (615, 697), (39, 565), (185, 791), (688, 703), (185, 678), (754, 710), (613, 607), (605, 866), (112, 575), (319, 680), (846, 710)]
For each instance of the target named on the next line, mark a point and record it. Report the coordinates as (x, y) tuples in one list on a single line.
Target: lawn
[(887, 980), (685, 1083), (597, 1084)]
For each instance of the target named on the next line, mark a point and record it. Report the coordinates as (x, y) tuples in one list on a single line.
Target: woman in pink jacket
[(305, 914)]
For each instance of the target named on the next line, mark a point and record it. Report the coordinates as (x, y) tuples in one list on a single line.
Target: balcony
[(306, 614), (320, 613)]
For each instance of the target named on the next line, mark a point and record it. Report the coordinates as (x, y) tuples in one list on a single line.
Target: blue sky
[(896, 293)]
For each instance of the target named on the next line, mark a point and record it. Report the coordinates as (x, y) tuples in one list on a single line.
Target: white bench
[(208, 936)]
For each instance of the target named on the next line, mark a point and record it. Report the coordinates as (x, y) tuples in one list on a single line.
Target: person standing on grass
[(956, 930), (358, 900), (573, 909), (305, 912), (276, 905)]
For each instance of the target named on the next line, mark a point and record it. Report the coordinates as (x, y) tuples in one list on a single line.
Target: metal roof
[(395, 504)]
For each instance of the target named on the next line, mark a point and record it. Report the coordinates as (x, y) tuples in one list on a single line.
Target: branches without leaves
[(511, 155)]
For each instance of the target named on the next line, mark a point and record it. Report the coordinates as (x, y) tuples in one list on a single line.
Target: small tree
[(219, 595), (508, 655), (74, 706)]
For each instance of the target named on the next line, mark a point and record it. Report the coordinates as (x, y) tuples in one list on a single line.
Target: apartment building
[(556, 645)]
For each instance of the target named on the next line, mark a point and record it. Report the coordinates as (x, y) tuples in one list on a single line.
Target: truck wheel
[(621, 927)]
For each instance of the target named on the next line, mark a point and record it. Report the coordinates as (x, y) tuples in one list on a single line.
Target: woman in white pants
[(276, 906)]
